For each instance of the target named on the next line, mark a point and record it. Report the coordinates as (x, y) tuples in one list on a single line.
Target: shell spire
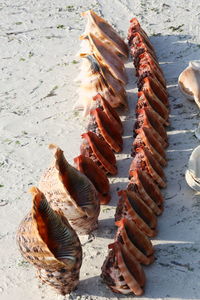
[(47, 241), (71, 191)]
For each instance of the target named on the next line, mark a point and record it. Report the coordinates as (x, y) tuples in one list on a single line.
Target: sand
[(39, 40)]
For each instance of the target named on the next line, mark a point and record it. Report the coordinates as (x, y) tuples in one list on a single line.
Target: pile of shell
[(142, 201), (68, 199)]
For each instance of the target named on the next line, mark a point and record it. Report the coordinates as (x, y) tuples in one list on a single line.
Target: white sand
[(38, 42)]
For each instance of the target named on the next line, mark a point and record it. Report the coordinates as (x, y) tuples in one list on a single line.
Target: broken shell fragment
[(47, 241), (71, 191), (189, 81), (192, 174)]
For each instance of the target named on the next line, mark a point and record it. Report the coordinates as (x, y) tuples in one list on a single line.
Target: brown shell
[(138, 244), (71, 191), (132, 207), (145, 161), (109, 111), (99, 151), (107, 58), (147, 118), (149, 192), (146, 57), (140, 48), (139, 37), (96, 175), (153, 84), (106, 33), (122, 272), (145, 138), (147, 69), (135, 27), (104, 128), (148, 99), (47, 241)]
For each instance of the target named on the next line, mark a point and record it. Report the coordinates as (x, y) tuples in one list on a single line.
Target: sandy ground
[(39, 40)]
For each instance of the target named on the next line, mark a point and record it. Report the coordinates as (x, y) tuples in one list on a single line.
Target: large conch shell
[(105, 129), (96, 79), (192, 174), (149, 192), (105, 32), (138, 244), (99, 151), (71, 191), (144, 160), (104, 56), (48, 242), (189, 81), (96, 175), (131, 206), (122, 272)]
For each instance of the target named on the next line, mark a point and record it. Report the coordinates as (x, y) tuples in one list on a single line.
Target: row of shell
[(68, 199), (142, 201)]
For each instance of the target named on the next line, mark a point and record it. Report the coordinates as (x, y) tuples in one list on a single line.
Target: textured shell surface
[(189, 81), (47, 241), (104, 31), (192, 174), (68, 189)]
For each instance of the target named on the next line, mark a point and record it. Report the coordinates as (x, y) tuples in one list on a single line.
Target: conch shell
[(138, 244), (96, 175), (99, 151), (47, 241), (96, 79), (122, 272), (71, 191), (192, 174), (105, 129), (144, 160), (131, 206), (149, 192), (104, 56), (189, 81), (105, 32)]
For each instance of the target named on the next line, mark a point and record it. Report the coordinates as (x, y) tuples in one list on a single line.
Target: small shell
[(153, 84), (104, 128), (192, 175), (145, 138), (189, 81), (146, 69), (106, 57), (139, 37), (96, 175), (99, 151), (144, 160), (135, 27), (47, 241), (136, 50), (146, 57), (147, 118), (132, 207), (149, 100), (105, 32), (122, 272), (71, 191), (138, 244), (149, 192)]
